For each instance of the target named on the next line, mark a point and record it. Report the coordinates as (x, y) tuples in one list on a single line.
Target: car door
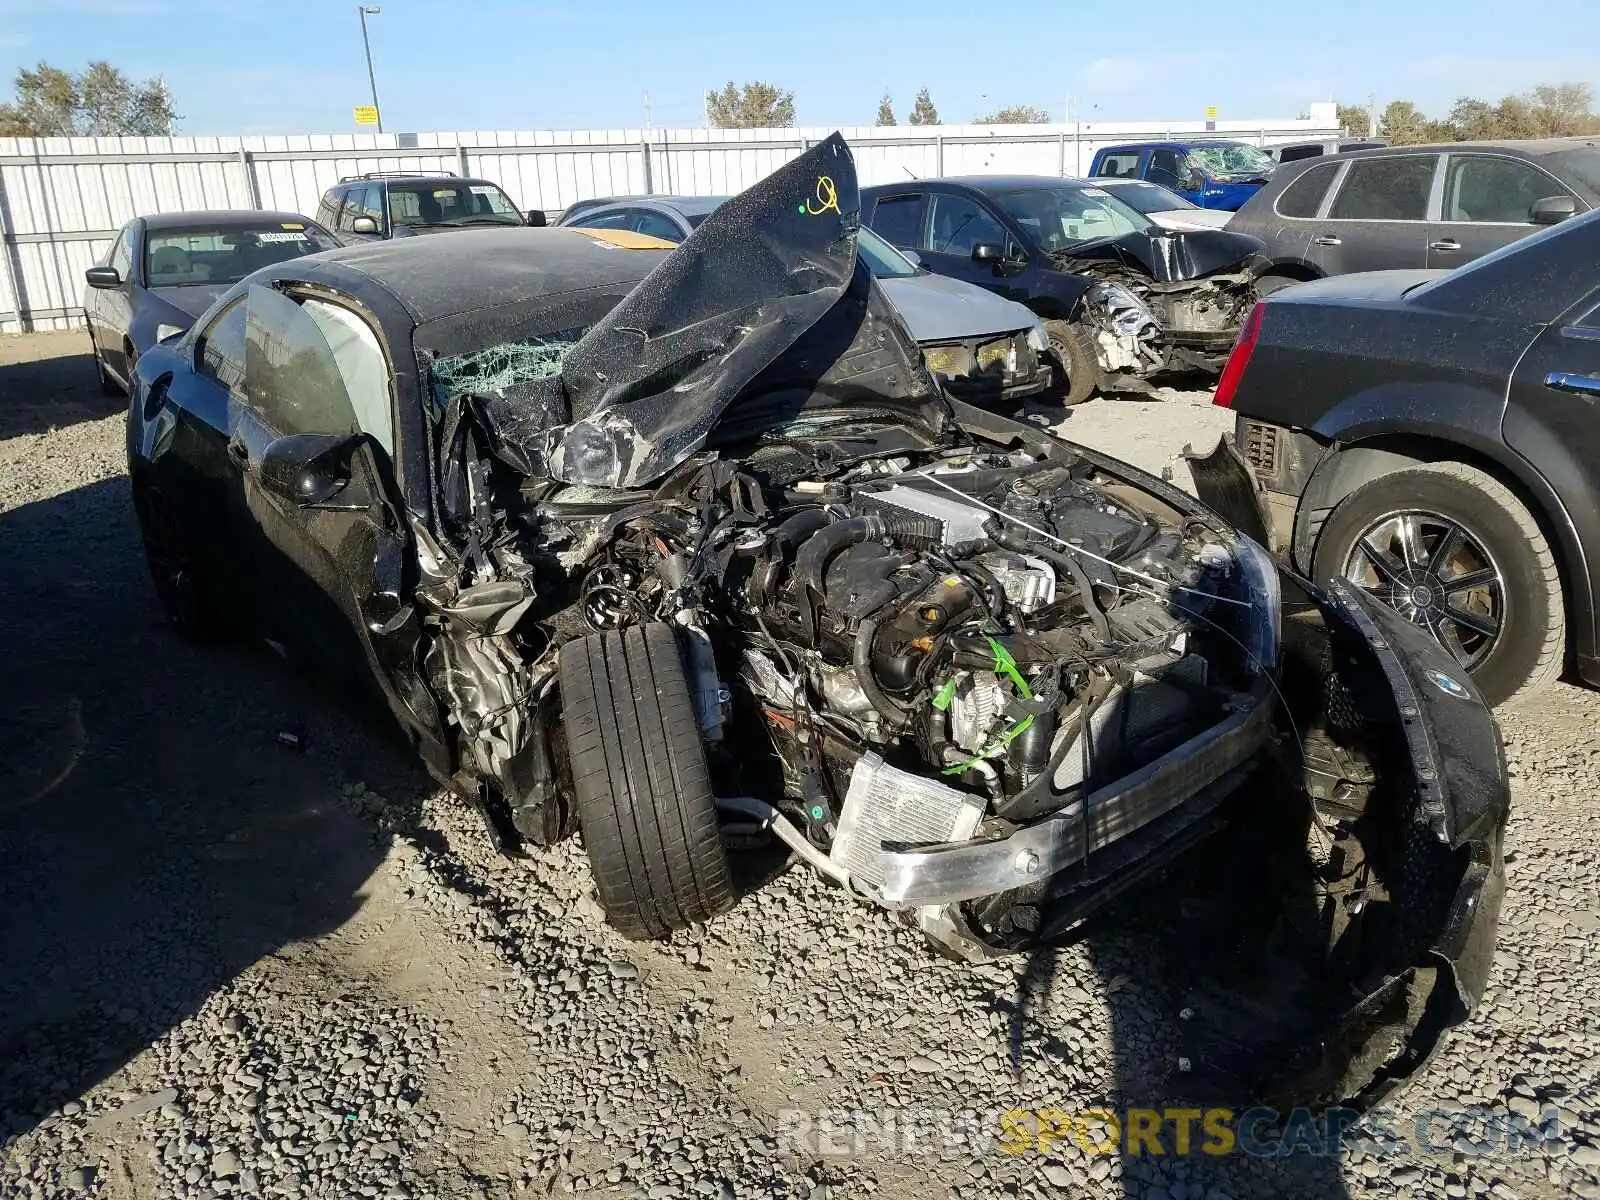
[(901, 219), (1377, 220), (186, 423), (958, 223), (1487, 202), (93, 309), (115, 305), (313, 438)]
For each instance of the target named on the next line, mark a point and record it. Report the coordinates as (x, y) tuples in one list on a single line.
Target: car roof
[(480, 268), (1187, 143), (982, 183), (1531, 147), (223, 218)]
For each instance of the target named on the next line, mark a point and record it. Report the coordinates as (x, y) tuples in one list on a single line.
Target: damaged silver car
[(1124, 300), (689, 553)]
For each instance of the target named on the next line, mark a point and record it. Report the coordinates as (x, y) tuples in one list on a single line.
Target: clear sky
[(259, 66)]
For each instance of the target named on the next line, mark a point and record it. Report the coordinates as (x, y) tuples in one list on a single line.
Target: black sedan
[(163, 271), (688, 548), (1122, 299), (1430, 436)]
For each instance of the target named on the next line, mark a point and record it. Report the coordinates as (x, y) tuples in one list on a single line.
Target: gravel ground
[(228, 967)]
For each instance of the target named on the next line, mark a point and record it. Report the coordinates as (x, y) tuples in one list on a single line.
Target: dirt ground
[(247, 949)]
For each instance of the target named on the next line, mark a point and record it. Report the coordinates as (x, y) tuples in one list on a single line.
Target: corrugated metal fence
[(62, 200)]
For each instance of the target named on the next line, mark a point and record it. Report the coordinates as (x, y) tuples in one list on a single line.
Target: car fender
[(1058, 294), (1387, 429)]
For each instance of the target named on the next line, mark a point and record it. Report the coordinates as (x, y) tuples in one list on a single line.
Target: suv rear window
[(1386, 189), (1295, 153), (1303, 197)]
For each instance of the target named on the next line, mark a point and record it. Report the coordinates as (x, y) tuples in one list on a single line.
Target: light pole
[(366, 45)]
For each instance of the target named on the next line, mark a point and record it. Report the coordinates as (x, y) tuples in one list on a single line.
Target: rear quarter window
[(1302, 199)]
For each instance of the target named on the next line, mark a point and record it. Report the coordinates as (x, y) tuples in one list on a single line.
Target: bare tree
[(753, 106), (923, 112), (885, 111), (1562, 109), (1016, 114), (99, 102)]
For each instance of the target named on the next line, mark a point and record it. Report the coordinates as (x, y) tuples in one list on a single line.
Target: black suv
[(387, 204)]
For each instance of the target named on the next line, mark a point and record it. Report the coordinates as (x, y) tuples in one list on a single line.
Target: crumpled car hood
[(647, 383), (1168, 256)]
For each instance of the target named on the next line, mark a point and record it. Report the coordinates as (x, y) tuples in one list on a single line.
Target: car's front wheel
[(640, 783), (182, 590), (1451, 549), (1077, 367)]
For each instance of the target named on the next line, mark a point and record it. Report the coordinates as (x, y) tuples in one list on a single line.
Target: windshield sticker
[(827, 198), (292, 225), (1094, 191), (481, 189), (273, 235)]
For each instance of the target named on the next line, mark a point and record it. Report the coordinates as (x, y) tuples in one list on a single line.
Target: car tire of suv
[(1077, 366), (639, 779), (1530, 651)]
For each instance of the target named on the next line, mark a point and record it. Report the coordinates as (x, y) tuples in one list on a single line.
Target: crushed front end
[(1165, 301)]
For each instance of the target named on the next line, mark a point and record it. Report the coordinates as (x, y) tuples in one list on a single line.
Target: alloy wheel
[(1436, 573)]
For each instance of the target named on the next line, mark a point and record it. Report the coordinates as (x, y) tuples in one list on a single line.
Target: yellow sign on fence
[(1211, 112), (366, 114)]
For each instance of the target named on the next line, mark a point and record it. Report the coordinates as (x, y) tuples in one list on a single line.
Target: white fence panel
[(63, 199)]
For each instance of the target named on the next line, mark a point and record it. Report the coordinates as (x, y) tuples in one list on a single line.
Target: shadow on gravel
[(1200, 970), (155, 839), (48, 393)]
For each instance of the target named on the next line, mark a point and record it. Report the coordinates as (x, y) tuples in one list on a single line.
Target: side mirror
[(1551, 210), (310, 469), (536, 218), (912, 257), (103, 277), (988, 252), (364, 225)]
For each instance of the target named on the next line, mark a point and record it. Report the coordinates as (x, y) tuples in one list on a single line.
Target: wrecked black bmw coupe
[(687, 551), (1123, 300)]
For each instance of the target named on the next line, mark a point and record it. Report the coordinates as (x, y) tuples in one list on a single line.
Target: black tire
[(1077, 365), (639, 780), (1528, 652), (184, 594)]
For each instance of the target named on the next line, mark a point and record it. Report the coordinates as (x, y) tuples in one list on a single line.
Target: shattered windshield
[(451, 204), (1059, 218), (1238, 163)]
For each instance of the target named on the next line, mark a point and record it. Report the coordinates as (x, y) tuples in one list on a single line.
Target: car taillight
[(1238, 359)]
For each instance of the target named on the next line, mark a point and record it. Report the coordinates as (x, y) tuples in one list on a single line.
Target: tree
[(1354, 121), (99, 102), (754, 106), (885, 111), (1401, 124), (1514, 118), (923, 112), (1017, 114), (1562, 109), (1472, 120)]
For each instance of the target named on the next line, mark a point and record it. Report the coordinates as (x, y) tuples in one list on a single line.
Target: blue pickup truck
[(1211, 173)]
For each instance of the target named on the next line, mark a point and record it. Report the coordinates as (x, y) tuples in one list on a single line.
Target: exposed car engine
[(916, 651)]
